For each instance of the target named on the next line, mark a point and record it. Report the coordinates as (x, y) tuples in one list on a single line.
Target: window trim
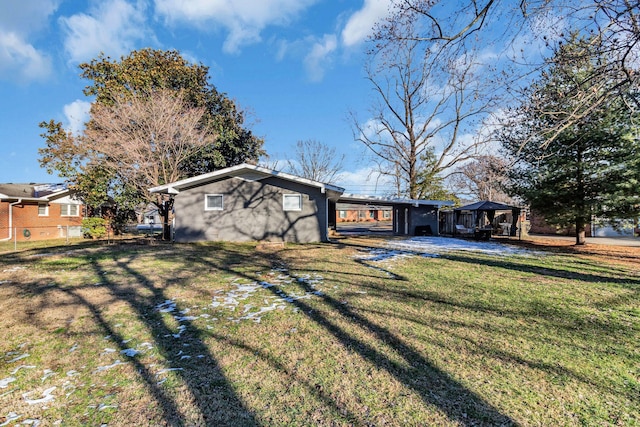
[(291, 195), (69, 214), (215, 208), (46, 208), (342, 214)]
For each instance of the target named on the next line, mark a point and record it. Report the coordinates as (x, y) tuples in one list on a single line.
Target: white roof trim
[(175, 187), (377, 199)]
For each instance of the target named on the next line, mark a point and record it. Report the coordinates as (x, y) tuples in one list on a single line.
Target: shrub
[(94, 228)]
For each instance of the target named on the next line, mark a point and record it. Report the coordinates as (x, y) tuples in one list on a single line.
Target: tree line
[(551, 123)]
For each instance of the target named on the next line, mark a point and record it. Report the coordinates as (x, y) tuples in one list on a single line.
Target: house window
[(372, 214), (343, 214), (292, 202), (68, 210), (361, 214), (213, 202), (386, 214), (43, 209)]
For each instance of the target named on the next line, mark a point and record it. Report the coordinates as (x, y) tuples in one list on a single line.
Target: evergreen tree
[(573, 173)]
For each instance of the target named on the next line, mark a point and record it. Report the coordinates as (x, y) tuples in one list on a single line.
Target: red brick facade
[(28, 224), (363, 215)]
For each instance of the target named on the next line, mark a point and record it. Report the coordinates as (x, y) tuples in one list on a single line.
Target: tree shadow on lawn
[(211, 393), (509, 264), (434, 386)]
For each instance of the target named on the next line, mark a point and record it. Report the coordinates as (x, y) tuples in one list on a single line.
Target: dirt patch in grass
[(606, 253)]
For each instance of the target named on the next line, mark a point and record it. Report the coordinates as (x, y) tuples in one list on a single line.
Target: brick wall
[(25, 217)]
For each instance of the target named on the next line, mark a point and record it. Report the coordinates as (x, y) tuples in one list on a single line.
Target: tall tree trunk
[(164, 209), (580, 231)]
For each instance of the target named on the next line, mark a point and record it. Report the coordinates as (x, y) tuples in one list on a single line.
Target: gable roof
[(243, 171), (32, 191)]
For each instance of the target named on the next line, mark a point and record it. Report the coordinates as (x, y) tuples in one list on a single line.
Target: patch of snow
[(4, 383), (12, 269), (11, 417), (107, 367), (434, 246), (130, 352), (46, 397), (167, 306), (15, 371), (15, 359), (47, 373)]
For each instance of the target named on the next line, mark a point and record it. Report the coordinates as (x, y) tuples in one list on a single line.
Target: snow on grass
[(436, 246), (433, 246)]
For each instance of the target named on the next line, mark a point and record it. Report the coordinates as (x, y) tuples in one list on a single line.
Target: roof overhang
[(363, 199), (249, 173)]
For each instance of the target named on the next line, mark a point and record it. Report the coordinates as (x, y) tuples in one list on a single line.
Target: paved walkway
[(611, 241)]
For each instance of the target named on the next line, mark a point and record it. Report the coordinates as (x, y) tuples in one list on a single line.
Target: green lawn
[(229, 334)]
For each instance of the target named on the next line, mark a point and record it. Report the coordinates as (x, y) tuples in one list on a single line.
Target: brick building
[(38, 212), (350, 212)]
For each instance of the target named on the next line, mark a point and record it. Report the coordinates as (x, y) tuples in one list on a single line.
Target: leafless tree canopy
[(146, 139), (316, 161), (426, 103), (482, 179), (525, 29)]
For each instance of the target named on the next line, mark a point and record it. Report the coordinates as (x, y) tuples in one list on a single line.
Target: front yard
[(327, 334)]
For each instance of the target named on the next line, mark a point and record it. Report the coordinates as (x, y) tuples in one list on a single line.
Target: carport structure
[(410, 216)]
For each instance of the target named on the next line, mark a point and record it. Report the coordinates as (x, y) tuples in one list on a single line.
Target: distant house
[(352, 212), (38, 212), (251, 203), (408, 216)]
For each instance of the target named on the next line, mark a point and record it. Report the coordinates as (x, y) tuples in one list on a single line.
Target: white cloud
[(244, 20), (77, 114), (318, 60), (360, 24), (19, 59), (112, 27)]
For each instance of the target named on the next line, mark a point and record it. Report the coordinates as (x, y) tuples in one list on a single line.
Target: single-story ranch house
[(252, 203)]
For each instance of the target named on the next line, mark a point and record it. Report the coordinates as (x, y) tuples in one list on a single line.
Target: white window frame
[(46, 208), (386, 214), (342, 214), (68, 209), (287, 207), (214, 208)]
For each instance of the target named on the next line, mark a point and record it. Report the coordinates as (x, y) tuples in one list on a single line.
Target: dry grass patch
[(224, 334)]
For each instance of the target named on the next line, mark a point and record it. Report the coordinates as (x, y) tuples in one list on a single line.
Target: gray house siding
[(251, 211), (406, 218), (424, 216)]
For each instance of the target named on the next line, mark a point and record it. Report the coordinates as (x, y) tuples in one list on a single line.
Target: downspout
[(11, 205)]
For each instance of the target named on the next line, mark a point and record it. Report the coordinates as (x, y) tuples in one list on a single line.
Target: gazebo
[(483, 213)]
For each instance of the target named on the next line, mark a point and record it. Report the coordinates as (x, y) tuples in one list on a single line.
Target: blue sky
[(297, 65)]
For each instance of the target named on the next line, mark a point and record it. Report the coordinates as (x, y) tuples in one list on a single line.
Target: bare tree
[(482, 179), (612, 25), (146, 140), (427, 106), (316, 161)]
